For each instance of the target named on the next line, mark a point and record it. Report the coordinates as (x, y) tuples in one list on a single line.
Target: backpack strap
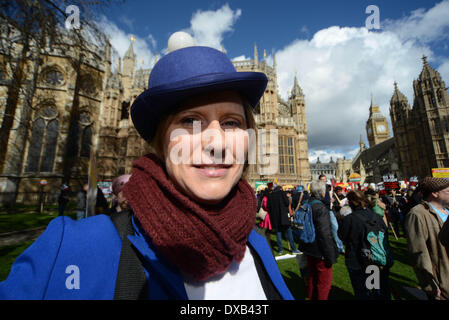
[(299, 202), (131, 282)]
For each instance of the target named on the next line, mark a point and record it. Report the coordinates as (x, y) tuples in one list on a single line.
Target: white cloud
[(326, 155), (444, 72), (208, 27), (152, 41), (340, 67), (241, 58), (120, 41), (422, 25)]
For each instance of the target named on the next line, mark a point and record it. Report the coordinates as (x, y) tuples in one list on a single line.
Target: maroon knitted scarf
[(200, 240)]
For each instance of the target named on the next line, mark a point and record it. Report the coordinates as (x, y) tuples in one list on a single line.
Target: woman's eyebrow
[(219, 114)]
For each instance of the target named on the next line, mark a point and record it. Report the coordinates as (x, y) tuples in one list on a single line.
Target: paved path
[(15, 237)]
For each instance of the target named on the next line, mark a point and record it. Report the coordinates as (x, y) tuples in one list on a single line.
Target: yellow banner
[(440, 172)]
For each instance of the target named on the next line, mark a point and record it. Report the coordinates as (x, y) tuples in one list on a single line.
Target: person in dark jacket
[(63, 199), (393, 203), (351, 231), (339, 200), (101, 205), (279, 217), (322, 253)]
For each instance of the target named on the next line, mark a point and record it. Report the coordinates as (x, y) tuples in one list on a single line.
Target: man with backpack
[(320, 249), (367, 249)]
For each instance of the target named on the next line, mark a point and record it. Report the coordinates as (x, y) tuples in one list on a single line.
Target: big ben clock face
[(370, 131), (381, 128)]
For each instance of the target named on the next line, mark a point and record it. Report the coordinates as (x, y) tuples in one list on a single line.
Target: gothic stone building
[(105, 96), (327, 168), (421, 132), (420, 139), (379, 159)]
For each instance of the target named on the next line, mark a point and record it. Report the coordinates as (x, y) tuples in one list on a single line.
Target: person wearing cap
[(120, 203), (189, 231), (430, 258)]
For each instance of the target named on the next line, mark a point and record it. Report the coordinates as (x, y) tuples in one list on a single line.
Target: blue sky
[(338, 61), (272, 24)]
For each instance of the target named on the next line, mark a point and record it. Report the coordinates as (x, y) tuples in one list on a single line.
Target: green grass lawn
[(401, 274), (25, 218)]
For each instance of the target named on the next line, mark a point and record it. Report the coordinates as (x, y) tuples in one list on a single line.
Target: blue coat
[(75, 260)]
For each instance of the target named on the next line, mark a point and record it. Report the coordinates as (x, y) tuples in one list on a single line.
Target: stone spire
[(398, 96), (362, 143), (255, 52), (427, 71), (129, 60), (296, 91), (130, 52), (424, 59)]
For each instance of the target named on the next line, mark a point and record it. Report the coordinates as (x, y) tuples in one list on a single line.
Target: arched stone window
[(52, 76), (87, 84), (43, 141)]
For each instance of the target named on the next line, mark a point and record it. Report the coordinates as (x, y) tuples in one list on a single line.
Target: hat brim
[(151, 104)]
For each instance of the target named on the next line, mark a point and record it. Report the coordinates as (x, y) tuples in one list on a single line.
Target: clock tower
[(377, 126)]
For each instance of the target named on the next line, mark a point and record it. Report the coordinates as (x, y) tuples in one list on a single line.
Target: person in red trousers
[(322, 253)]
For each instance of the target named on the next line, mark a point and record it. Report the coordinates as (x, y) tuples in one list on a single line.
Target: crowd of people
[(343, 220)]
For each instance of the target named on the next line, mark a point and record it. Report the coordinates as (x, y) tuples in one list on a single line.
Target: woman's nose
[(213, 141)]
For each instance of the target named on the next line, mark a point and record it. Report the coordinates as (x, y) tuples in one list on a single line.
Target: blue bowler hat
[(187, 72)]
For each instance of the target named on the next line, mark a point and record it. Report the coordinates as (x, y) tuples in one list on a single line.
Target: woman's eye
[(232, 124), (189, 121)]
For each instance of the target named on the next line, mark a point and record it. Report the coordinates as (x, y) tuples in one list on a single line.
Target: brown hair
[(357, 198), (157, 143)]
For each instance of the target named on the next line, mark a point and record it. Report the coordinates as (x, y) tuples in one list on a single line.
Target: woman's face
[(206, 145)]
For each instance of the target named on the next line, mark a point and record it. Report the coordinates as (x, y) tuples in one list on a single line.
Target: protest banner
[(440, 173)]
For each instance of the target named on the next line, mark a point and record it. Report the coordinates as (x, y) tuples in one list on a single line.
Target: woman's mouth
[(213, 170)]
